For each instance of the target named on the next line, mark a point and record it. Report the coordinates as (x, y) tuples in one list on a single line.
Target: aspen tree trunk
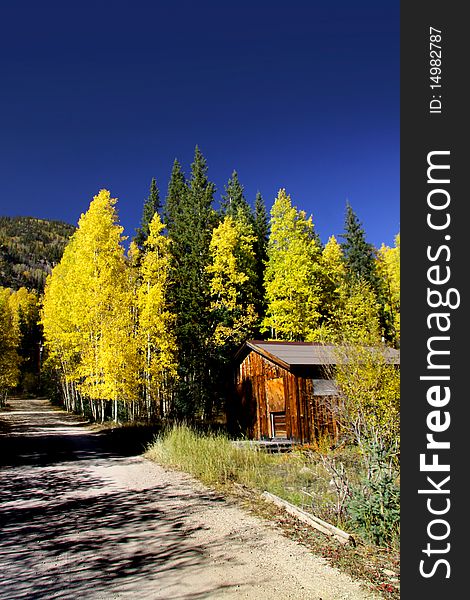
[(74, 398), (69, 396), (63, 385), (147, 374)]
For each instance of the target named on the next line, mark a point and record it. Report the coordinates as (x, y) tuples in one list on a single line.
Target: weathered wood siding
[(263, 387)]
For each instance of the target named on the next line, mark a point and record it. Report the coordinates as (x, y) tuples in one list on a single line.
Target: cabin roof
[(304, 354)]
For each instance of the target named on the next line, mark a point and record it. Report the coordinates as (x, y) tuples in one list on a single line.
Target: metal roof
[(325, 387), (290, 354)]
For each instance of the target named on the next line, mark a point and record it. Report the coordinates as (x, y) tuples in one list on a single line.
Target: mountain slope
[(29, 248)]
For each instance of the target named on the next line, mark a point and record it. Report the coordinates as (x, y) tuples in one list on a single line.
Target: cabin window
[(278, 424)]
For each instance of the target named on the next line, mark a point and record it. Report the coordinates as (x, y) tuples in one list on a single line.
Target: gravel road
[(78, 520)]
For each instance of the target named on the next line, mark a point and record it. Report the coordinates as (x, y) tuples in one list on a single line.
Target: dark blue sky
[(301, 94)]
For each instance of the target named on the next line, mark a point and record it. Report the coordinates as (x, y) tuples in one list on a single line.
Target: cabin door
[(276, 407)]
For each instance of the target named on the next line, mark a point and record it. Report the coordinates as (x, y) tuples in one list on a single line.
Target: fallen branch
[(311, 520)]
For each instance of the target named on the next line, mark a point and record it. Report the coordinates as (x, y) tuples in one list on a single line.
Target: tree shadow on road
[(69, 531), (66, 539)]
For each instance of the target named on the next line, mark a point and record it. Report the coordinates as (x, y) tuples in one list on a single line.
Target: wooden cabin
[(283, 390)]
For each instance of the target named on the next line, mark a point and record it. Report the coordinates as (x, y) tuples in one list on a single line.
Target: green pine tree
[(190, 219), (151, 206), (261, 232), (358, 254), (233, 202), (175, 199)]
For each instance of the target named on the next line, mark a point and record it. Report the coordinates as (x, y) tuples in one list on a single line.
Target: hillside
[(29, 248)]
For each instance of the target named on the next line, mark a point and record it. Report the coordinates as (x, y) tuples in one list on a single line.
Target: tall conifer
[(261, 233), (151, 206), (190, 219), (175, 199), (358, 253), (234, 203)]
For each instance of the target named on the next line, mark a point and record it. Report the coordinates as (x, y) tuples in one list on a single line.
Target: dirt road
[(80, 520)]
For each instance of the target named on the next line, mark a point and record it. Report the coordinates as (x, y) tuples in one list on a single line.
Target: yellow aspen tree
[(292, 279), (62, 334), (388, 267), (24, 305), (25, 308), (108, 358), (9, 344), (133, 260), (156, 337), (233, 280), (332, 270), (90, 291), (357, 320), (332, 263)]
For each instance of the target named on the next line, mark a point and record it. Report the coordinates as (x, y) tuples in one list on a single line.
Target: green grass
[(299, 476)]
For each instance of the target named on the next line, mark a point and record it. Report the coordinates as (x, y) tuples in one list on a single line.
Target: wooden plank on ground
[(311, 520)]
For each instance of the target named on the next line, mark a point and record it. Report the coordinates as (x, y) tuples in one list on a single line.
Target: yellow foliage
[(292, 277), (156, 340), (370, 389), (232, 271), (87, 309), (388, 267), (9, 343)]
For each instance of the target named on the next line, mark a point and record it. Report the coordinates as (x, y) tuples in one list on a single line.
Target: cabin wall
[(264, 389)]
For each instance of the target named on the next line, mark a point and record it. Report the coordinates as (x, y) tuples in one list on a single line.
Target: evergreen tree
[(175, 201), (292, 273), (151, 206), (261, 232), (190, 220), (234, 203), (358, 253)]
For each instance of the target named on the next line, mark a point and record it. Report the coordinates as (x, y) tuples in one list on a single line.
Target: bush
[(374, 504)]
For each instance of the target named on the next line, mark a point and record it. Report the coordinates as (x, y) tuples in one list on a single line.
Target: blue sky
[(302, 95)]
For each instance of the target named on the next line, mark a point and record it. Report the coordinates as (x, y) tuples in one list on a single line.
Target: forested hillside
[(29, 249)]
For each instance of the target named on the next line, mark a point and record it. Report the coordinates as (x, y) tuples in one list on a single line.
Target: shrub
[(374, 504)]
